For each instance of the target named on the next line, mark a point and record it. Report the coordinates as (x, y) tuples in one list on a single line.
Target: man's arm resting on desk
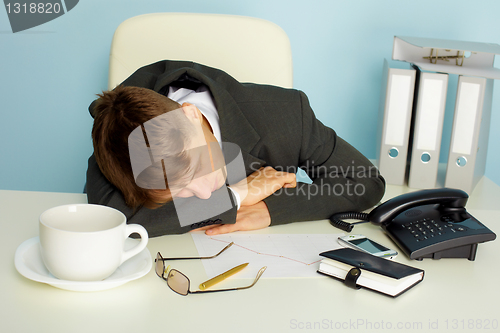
[(343, 179), (330, 192), (164, 220)]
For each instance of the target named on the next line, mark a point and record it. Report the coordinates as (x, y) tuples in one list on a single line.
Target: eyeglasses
[(180, 283)]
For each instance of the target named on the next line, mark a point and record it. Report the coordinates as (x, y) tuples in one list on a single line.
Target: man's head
[(117, 114), (151, 148)]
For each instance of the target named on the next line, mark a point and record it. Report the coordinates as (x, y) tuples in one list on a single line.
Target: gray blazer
[(274, 127)]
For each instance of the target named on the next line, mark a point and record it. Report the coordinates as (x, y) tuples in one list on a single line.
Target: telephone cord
[(336, 220)]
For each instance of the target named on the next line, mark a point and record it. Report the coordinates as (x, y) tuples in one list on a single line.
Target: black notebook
[(382, 275)]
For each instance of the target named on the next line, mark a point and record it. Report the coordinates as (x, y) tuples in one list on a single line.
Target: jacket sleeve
[(343, 179)]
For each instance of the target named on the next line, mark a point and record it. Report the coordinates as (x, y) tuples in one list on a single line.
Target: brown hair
[(117, 114)]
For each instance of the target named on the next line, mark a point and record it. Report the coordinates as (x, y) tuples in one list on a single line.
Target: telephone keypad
[(429, 228)]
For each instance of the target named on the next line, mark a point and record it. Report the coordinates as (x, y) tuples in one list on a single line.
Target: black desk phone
[(426, 224)]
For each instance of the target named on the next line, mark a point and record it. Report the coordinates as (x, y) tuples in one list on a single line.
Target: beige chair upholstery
[(249, 49)]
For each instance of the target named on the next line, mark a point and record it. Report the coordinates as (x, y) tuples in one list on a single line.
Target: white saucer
[(29, 263)]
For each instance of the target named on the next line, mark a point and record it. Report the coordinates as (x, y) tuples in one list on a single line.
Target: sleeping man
[(179, 146)]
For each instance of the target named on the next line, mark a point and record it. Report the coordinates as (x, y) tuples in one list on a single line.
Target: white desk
[(456, 295)]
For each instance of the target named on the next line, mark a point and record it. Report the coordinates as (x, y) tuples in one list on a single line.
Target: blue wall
[(49, 74)]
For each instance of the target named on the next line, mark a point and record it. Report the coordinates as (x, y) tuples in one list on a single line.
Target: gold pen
[(221, 277)]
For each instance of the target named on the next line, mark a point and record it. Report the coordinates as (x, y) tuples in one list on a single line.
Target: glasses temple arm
[(186, 258), (259, 274)]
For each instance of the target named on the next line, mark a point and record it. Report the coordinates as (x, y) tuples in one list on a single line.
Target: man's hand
[(261, 184), (248, 218), (253, 213)]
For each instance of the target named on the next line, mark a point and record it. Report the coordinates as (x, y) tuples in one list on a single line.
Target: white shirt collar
[(203, 100)]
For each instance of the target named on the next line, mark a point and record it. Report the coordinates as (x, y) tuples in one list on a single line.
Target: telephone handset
[(427, 224)]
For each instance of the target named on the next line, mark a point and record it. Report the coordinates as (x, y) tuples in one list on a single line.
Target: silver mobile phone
[(362, 243)]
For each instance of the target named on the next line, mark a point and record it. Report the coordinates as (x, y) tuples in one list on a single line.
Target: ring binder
[(428, 127), (469, 138), (395, 111), (469, 143)]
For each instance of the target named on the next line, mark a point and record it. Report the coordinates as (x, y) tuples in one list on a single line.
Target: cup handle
[(130, 229)]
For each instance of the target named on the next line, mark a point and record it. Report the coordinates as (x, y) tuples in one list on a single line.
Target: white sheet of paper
[(285, 255)]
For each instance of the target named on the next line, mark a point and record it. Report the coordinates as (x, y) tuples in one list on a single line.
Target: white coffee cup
[(85, 242)]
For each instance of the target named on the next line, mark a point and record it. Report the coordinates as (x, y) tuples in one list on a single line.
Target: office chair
[(249, 49)]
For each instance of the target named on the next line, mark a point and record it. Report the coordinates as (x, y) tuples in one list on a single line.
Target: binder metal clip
[(434, 58)]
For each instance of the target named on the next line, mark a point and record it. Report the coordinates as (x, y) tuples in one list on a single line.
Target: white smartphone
[(362, 243)]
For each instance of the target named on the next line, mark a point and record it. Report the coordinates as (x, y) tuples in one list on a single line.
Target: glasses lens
[(178, 282), (160, 266)]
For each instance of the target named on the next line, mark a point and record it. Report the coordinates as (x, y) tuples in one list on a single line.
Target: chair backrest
[(249, 49)]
